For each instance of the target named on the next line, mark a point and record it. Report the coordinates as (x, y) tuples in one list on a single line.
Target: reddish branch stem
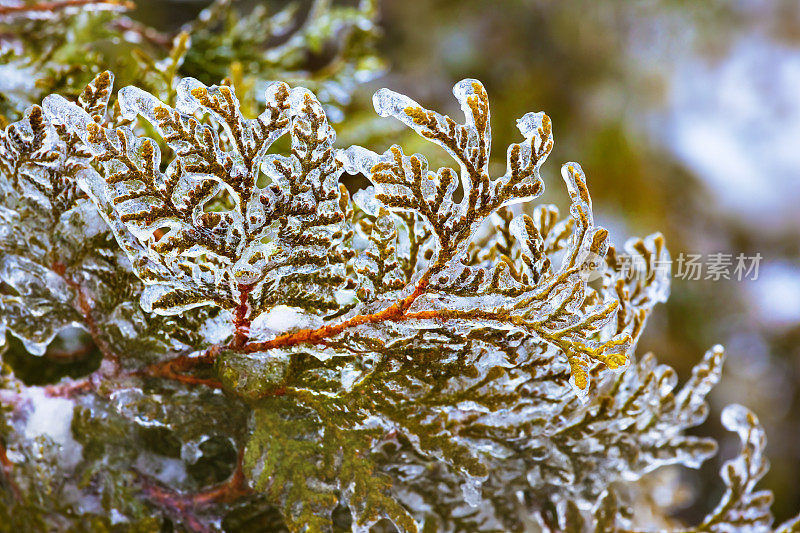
[(230, 491), (69, 390), (242, 317), (85, 308), (185, 505), (394, 312), (176, 368), (147, 33), (92, 382), (4, 461), (49, 7)]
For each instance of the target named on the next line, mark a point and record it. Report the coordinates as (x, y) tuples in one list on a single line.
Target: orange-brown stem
[(69, 390), (4, 461), (318, 336), (173, 369), (230, 491), (63, 4), (176, 368), (241, 320)]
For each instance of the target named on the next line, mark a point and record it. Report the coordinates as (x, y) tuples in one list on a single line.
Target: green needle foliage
[(432, 353)]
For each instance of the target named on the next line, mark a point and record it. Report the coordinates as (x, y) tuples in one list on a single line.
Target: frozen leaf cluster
[(58, 46), (431, 353), (60, 265), (49, 227)]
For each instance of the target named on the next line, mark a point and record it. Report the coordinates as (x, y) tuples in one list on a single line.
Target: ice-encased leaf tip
[(388, 103), (530, 123)]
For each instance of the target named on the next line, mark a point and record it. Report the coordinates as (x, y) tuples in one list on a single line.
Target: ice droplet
[(366, 201), (472, 489), (530, 123), (191, 452), (357, 160), (388, 103), (465, 88), (185, 102), (134, 101)]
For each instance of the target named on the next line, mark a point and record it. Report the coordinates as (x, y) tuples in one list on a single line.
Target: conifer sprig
[(431, 351)]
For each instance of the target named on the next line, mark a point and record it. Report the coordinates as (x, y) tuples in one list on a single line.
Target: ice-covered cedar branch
[(405, 183), (427, 378), (642, 402), (284, 453), (211, 230), (38, 169)]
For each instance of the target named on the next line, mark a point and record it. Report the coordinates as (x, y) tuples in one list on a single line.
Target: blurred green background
[(685, 114)]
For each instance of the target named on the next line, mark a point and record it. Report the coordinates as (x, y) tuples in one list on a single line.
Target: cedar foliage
[(431, 353)]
